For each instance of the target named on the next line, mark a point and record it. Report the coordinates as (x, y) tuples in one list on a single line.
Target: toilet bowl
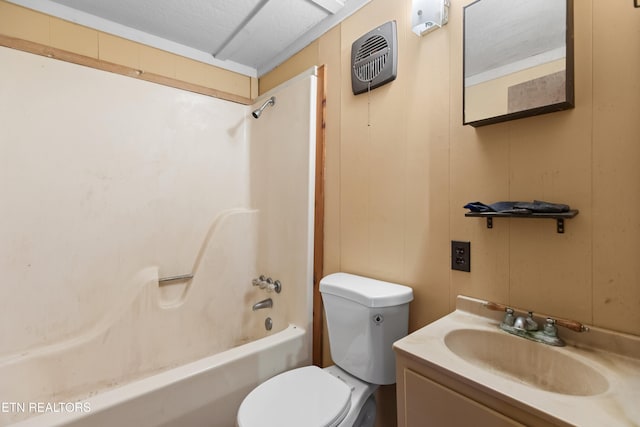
[(364, 317), (310, 396)]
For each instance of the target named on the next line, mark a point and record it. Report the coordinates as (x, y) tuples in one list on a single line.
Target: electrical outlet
[(460, 256)]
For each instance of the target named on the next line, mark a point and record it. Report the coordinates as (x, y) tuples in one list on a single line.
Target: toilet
[(364, 318)]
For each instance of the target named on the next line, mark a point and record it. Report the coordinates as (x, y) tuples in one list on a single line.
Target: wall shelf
[(559, 217)]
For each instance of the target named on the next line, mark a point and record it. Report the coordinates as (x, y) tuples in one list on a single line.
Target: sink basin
[(535, 364), (592, 381)]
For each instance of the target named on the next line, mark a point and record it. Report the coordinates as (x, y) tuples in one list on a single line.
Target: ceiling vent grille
[(374, 58)]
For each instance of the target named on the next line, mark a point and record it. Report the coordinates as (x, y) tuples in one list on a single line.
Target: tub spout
[(266, 303)]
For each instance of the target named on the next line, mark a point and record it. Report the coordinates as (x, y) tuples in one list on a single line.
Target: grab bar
[(175, 278)]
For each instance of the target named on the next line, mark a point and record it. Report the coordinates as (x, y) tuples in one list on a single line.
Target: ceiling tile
[(247, 36), (271, 30)]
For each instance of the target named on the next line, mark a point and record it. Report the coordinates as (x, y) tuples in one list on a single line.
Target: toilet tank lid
[(363, 290)]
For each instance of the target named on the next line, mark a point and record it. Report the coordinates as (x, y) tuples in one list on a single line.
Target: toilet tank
[(364, 318)]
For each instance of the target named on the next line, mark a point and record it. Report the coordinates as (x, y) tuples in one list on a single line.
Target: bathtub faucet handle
[(267, 283), (274, 286), (260, 281)]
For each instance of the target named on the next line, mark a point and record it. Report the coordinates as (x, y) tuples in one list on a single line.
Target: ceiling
[(250, 37)]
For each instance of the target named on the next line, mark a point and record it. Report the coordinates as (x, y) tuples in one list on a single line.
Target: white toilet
[(364, 318)]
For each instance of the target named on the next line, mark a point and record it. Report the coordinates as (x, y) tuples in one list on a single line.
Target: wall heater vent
[(374, 59)]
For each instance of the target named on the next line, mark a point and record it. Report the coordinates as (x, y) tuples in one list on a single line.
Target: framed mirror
[(517, 59)]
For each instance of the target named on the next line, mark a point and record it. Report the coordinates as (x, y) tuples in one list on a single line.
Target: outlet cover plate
[(461, 256)]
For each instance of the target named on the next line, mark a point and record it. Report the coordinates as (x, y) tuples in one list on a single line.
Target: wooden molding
[(63, 55), (318, 243)]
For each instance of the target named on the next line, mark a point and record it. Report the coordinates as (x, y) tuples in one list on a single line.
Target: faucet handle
[(550, 328), (260, 281), (274, 286), (267, 283), (508, 317)]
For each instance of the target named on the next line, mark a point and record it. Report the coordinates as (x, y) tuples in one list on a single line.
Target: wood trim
[(75, 58), (318, 242)]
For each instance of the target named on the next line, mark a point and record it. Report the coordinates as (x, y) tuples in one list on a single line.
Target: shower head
[(270, 101)]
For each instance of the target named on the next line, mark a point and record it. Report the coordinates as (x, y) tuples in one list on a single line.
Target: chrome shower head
[(271, 101)]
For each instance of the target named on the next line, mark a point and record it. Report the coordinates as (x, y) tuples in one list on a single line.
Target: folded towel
[(478, 207), (502, 207), (537, 206)]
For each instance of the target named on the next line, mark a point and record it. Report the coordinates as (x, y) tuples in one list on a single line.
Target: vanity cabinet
[(462, 370), (427, 397), (428, 403)]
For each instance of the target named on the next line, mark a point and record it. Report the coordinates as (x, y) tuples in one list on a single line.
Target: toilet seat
[(306, 396)]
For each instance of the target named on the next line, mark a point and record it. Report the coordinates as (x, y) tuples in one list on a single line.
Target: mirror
[(518, 59)]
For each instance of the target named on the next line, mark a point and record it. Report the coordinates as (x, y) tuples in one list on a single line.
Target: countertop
[(614, 355)]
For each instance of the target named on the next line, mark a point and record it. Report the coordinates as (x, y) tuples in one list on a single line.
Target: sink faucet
[(527, 327), (525, 323), (265, 303)]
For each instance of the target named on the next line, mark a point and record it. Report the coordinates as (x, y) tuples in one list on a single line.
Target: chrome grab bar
[(175, 278)]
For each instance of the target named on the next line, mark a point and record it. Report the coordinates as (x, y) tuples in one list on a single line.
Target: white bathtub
[(181, 354), (206, 392)]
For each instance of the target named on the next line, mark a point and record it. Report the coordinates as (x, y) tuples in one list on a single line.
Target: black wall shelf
[(559, 217)]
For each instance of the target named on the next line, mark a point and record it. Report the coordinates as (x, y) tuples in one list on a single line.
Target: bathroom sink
[(592, 381), (535, 364)]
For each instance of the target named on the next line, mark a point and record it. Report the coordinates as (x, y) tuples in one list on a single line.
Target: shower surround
[(110, 184)]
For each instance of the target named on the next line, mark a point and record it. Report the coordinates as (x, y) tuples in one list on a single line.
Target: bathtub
[(180, 354), (206, 392)]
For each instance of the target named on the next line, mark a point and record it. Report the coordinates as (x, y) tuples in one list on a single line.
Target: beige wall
[(25, 24), (395, 189)]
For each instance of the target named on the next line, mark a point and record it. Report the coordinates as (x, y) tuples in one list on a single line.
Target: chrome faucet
[(267, 283), (265, 303), (527, 327), (525, 323)]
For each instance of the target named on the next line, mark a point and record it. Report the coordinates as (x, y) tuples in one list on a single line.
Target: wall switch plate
[(460, 255)]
